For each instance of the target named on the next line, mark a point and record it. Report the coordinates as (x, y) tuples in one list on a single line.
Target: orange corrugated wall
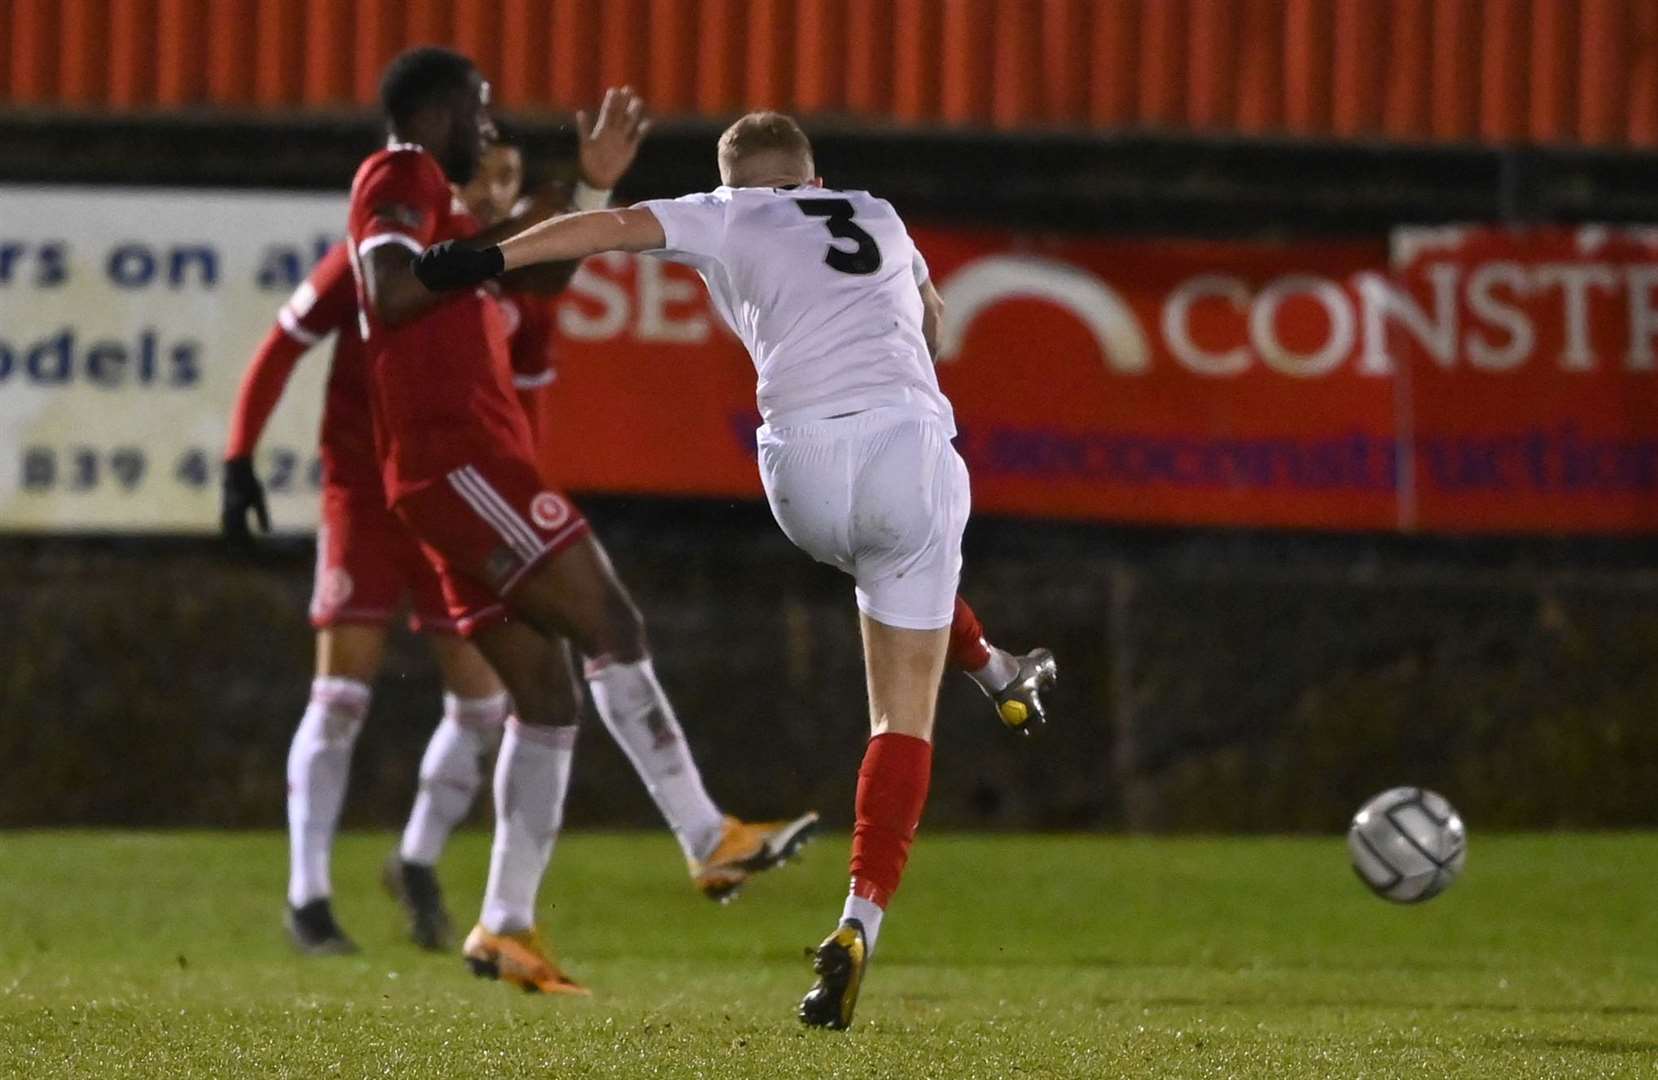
[(1406, 70)]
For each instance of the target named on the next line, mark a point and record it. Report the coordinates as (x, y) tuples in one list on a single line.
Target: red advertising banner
[(1466, 381), (1528, 359)]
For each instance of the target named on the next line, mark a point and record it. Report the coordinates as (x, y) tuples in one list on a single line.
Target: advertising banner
[(1450, 380), (1529, 360), (1155, 381), (126, 318)]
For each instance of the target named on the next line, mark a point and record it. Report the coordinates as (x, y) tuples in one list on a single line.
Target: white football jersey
[(821, 286)]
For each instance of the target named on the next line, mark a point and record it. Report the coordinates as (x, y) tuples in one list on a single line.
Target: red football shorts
[(485, 526), (368, 564)]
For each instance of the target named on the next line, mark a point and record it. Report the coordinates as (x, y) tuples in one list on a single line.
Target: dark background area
[(1122, 182), (1210, 680)]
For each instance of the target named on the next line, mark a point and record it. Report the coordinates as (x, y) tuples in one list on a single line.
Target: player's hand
[(242, 492), (609, 144), (452, 265)]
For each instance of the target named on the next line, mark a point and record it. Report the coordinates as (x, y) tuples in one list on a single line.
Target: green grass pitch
[(130, 954)]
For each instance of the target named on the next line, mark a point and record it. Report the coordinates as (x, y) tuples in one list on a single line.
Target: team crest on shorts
[(548, 511), (334, 589)]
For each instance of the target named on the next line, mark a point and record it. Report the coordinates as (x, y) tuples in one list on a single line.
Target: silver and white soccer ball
[(1407, 844)]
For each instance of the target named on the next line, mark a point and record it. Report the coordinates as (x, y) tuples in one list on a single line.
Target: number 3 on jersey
[(866, 258)]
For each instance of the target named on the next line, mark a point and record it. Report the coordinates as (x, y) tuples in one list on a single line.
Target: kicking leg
[(319, 764), (1014, 684), (721, 851), (475, 708), (578, 593)]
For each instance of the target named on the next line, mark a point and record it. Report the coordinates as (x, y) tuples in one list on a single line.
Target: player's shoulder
[(399, 159), (859, 198), (331, 272), (404, 155), (717, 199), (335, 259), (869, 199)]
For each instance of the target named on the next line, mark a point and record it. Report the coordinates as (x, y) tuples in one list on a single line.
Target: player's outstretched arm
[(581, 235), (452, 265), (607, 144)]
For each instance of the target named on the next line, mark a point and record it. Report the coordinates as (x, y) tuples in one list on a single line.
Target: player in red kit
[(369, 565), (522, 573)]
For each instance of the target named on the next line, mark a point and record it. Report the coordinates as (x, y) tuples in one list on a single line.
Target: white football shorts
[(882, 495)]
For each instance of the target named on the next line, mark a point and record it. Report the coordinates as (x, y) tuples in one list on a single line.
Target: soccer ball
[(1407, 844)]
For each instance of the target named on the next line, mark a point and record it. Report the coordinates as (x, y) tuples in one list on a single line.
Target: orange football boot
[(746, 849), (518, 958)]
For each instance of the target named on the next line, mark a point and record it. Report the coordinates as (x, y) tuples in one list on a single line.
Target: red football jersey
[(441, 384), (326, 303), (530, 330), (530, 326)]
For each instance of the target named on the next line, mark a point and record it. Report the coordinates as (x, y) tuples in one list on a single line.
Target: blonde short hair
[(764, 135)]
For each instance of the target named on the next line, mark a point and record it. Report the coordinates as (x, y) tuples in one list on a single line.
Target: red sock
[(892, 789), (967, 650)]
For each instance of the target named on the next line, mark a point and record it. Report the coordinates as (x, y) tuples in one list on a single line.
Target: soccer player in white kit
[(834, 302)]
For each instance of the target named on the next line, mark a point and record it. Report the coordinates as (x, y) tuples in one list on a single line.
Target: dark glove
[(452, 265), (242, 492)]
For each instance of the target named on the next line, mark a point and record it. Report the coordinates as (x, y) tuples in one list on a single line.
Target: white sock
[(531, 776), (1000, 671), (867, 912), (637, 712), (451, 771), (319, 763)]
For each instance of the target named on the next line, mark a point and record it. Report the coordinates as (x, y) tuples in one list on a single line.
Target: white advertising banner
[(126, 320)]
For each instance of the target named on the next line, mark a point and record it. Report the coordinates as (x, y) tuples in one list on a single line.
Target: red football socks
[(967, 648), (892, 789)]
